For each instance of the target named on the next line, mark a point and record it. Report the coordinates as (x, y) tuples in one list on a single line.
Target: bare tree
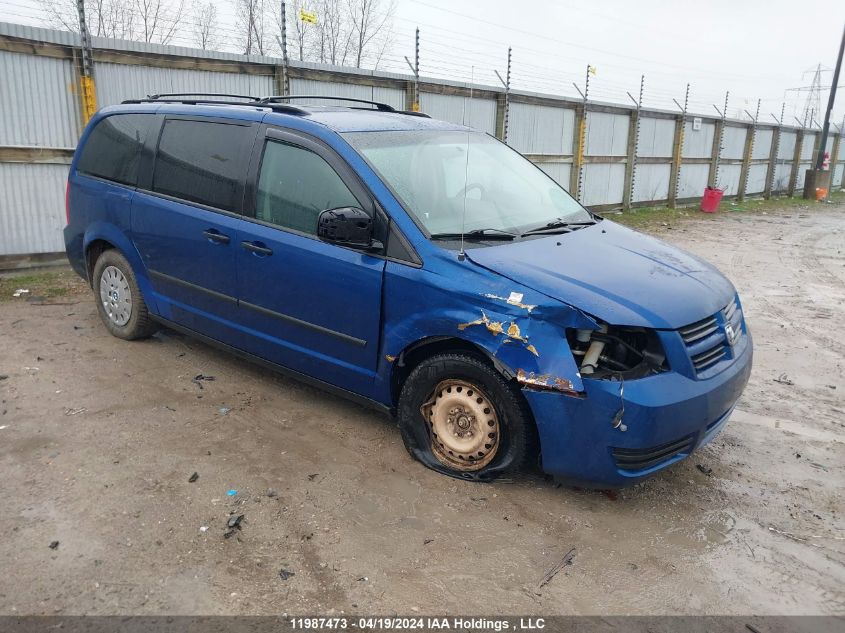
[(206, 26), (335, 33), (157, 22), (105, 18), (369, 19), (250, 24)]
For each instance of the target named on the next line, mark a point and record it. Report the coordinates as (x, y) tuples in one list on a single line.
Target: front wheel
[(460, 417), (119, 301)]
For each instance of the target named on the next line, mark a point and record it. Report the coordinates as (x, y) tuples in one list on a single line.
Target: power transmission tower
[(814, 97)]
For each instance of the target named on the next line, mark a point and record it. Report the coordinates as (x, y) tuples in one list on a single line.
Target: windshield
[(433, 172)]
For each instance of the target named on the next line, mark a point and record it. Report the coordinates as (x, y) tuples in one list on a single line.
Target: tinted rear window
[(113, 149), (201, 161)]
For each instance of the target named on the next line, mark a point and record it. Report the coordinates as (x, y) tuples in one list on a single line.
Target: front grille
[(699, 330), (709, 341), (710, 357), (642, 458)]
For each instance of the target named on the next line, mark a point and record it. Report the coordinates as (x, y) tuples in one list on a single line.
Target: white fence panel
[(38, 101), (782, 174), (558, 171), (391, 96), (32, 208), (757, 178), (656, 137), (698, 143), (479, 114), (607, 134), (540, 129), (733, 142), (118, 82), (762, 143), (603, 183), (692, 180), (651, 183)]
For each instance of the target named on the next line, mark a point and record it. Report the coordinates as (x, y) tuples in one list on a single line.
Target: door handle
[(257, 248), (216, 236)]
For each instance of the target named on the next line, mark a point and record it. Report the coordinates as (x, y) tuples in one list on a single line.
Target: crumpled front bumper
[(666, 417)]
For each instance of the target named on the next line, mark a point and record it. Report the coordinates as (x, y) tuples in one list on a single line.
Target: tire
[(118, 298), (457, 401)]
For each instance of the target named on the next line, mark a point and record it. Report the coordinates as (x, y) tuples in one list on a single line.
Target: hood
[(613, 273)]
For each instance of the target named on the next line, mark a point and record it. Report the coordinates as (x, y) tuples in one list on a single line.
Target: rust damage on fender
[(513, 333), (545, 381)]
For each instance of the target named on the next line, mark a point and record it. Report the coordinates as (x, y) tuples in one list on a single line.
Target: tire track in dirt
[(776, 311)]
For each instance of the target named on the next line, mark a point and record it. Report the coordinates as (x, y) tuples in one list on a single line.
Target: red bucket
[(711, 199)]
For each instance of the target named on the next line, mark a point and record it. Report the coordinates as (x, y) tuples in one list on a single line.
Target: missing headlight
[(617, 353)]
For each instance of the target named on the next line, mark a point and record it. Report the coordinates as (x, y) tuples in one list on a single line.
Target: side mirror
[(349, 226)]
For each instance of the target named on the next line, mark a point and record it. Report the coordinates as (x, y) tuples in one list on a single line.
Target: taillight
[(67, 202)]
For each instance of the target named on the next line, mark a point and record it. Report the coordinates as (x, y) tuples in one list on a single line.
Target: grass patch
[(46, 284), (657, 218)]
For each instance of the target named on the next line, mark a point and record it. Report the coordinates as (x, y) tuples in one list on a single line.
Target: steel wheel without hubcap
[(463, 424), (115, 295)]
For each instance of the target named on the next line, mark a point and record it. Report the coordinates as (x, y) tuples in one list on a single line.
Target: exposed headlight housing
[(617, 352)]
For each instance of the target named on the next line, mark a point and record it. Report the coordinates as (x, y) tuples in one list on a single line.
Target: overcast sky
[(754, 48)]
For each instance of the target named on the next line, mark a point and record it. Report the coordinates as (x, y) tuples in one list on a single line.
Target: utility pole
[(86, 77), (830, 100), (816, 179)]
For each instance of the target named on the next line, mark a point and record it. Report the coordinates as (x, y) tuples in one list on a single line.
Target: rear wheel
[(459, 416), (119, 301)]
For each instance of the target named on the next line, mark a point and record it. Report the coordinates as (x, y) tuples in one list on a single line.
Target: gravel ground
[(99, 437)]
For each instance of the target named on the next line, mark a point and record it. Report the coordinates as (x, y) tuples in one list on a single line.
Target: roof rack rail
[(252, 101), (381, 107), (156, 97)]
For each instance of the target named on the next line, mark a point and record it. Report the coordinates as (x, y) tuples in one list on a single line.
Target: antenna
[(468, 120)]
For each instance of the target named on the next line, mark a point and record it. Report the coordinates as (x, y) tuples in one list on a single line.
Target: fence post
[(774, 150), (677, 154), (716, 153), (501, 116), (633, 149), (280, 79), (410, 96), (631, 159), (796, 162), (88, 91), (575, 175), (678, 151), (750, 133)]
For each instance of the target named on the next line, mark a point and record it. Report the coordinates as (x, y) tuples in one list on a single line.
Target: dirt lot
[(98, 438)]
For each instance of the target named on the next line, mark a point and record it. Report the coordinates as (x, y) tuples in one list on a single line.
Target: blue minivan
[(420, 267)]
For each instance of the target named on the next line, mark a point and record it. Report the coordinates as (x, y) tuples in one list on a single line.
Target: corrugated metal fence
[(664, 157)]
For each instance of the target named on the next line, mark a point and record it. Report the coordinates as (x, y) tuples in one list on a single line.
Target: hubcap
[(463, 425), (115, 295)]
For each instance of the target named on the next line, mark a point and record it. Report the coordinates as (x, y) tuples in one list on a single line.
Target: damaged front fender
[(521, 330)]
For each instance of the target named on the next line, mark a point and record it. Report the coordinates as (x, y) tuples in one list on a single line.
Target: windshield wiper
[(477, 234), (557, 226)]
